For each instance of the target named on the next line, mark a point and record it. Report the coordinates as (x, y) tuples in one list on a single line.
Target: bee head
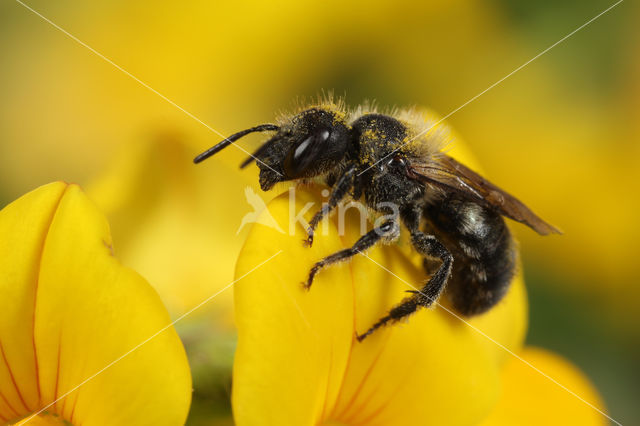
[(313, 142), (308, 145)]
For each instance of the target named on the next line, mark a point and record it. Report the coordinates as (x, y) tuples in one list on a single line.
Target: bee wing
[(445, 172)]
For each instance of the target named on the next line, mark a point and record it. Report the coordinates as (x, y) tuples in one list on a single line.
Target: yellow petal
[(23, 227), (529, 398), (287, 343), (89, 311), (297, 361)]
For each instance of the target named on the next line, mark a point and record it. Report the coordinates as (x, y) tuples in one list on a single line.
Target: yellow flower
[(68, 309), (298, 362)]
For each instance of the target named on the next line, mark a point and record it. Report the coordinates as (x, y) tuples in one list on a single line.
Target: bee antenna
[(231, 139)]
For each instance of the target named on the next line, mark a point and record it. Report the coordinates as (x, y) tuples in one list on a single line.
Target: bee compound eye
[(304, 157), (316, 138), (300, 149)]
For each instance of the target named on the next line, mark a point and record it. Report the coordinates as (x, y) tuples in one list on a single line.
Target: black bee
[(454, 215)]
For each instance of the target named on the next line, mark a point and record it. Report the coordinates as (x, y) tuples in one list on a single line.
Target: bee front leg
[(427, 245), (340, 190), (388, 230)]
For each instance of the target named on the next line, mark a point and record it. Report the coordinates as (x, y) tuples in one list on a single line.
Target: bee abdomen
[(483, 252)]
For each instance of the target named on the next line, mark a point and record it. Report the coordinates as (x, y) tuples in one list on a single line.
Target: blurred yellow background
[(561, 134)]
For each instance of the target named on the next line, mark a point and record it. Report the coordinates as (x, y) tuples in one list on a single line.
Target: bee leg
[(340, 190), (427, 245), (430, 266), (387, 230)]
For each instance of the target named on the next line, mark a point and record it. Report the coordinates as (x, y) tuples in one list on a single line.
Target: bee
[(454, 216)]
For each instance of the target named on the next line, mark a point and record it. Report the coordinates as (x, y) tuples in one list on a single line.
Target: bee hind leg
[(427, 245)]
